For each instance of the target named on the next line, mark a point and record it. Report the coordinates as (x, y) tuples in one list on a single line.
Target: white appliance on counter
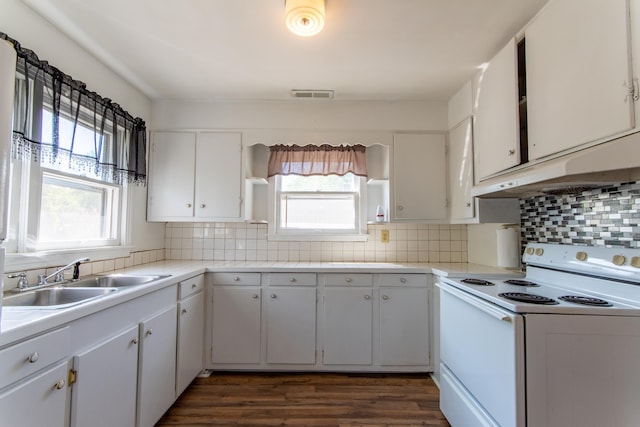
[(557, 348), (7, 84)]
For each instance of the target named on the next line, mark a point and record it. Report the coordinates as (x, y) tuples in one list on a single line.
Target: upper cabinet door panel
[(218, 175), (496, 124), (578, 63), (171, 175), (461, 170), (419, 176)]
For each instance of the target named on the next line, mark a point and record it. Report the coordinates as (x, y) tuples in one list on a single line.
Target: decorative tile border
[(607, 216)]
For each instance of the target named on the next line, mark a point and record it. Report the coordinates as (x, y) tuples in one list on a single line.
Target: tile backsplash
[(228, 241), (607, 216)]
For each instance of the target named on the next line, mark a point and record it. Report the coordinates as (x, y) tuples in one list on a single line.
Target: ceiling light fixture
[(304, 17)]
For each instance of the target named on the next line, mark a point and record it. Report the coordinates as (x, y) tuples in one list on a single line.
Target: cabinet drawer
[(298, 279), (21, 360), (395, 279), (236, 278), (348, 279), (190, 286)]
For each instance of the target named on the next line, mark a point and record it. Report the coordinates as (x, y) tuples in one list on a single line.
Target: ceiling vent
[(309, 94)]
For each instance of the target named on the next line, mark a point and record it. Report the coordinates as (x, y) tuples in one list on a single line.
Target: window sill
[(319, 237), (44, 259)]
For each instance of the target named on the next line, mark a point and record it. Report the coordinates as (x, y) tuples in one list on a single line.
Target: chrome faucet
[(58, 275)]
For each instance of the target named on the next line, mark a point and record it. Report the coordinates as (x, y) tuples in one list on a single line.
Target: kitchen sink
[(114, 281), (55, 297)]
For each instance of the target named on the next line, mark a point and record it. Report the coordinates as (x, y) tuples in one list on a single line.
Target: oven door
[(482, 356)]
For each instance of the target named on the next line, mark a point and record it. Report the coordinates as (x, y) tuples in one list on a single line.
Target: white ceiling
[(242, 50)]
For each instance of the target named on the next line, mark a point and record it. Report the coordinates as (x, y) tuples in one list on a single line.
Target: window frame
[(358, 233)]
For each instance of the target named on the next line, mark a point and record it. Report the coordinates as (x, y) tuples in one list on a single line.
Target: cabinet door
[(578, 63), (461, 170), (404, 326), (496, 125), (235, 328), (348, 326), (39, 401), (190, 340), (106, 379), (171, 185), (419, 187), (291, 325), (157, 366), (218, 179)]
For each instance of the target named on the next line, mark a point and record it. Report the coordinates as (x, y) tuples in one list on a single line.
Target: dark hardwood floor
[(309, 399)]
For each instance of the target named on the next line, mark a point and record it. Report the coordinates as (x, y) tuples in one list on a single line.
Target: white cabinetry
[(348, 320), (461, 170), (291, 318), (190, 338), (236, 318), (39, 400), (578, 74), (419, 177), (195, 176), (496, 123), (108, 379), (33, 374), (404, 325)]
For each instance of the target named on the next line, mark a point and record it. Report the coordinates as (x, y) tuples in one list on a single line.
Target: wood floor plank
[(307, 399)]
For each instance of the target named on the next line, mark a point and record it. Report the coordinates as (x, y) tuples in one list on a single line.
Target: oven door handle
[(477, 303)]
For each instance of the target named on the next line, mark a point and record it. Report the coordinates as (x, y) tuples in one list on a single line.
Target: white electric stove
[(558, 347)]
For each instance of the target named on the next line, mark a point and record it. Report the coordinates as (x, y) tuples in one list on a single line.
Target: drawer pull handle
[(149, 332), (184, 311), (274, 296), (188, 205), (348, 280), (202, 205), (385, 297), (367, 297), (254, 296), (293, 279), (33, 357), (402, 279), (236, 279), (59, 385), (194, 286), (134, 341)]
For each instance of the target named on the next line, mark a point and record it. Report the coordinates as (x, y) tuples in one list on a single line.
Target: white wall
[(22, 24), (323, 115)]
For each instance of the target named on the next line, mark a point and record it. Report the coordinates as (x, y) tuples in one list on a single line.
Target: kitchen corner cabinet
[(578, 74), (419, 177), (195, 176), (496, 122), (189, 361)]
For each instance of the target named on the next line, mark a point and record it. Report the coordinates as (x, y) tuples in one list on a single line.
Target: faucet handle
[(22, 279)]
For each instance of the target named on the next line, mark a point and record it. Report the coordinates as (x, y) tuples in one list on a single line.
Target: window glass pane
[(317, 212), (84, 143), (72, 210), (330, 183)]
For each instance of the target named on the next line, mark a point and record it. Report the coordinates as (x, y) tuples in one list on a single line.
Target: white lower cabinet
[(291, 325), (38, 401), (235, 325), (404, 326), (190, 338), (107, 379), (348, 326), (157, 366)]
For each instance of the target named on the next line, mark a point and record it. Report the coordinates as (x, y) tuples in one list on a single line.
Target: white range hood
[(607, 163)]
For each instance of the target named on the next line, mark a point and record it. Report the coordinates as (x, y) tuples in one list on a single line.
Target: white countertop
[(18, 323)]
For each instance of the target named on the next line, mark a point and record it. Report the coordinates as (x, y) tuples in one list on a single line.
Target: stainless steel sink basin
[(114, 281), (49, 298)]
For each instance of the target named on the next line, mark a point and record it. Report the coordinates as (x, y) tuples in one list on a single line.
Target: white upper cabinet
[(461, 170), (419, 177), (195, 176), (578, 74), (496, 123)]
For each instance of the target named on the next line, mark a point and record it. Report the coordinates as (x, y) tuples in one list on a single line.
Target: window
[(312, 202)]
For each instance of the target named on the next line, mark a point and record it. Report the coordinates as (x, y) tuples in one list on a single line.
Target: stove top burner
[(481, 282), (520, 282), (530, 298), (577, 299)]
